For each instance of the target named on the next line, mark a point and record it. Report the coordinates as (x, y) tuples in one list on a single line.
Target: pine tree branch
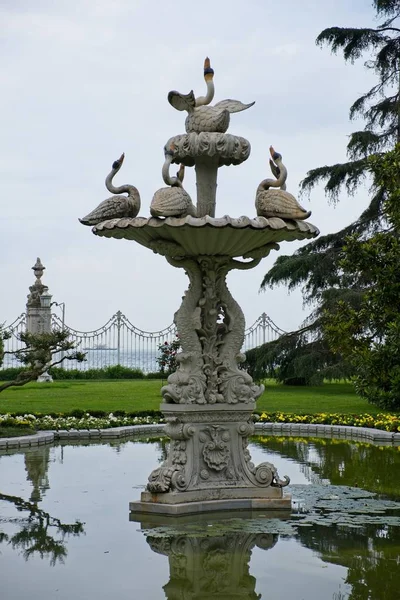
[(350, 175), (387, 29), (363, 143), (359, 106), (383, 112), (353, 41)]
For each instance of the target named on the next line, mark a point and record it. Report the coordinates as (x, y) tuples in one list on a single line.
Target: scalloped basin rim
[(225, 221), (195, 236)]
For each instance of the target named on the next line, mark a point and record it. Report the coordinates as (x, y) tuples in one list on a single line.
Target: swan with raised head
[(202, 117), (117, 206), (172, 201), (278, 202)]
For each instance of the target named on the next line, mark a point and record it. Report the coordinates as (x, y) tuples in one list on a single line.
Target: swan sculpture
[(117, 206), (172, 201), (278, 203), (200, 116)]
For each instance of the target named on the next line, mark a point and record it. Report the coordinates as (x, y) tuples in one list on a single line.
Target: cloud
[(83, 81)]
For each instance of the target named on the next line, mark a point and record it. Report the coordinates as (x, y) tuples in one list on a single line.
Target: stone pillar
[(38, 317), (206, 183)]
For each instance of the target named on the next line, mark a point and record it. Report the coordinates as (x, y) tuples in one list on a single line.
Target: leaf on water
[(323, 505)]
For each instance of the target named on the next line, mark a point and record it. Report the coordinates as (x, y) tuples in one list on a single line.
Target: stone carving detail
[(160, 479), (172, 201), (211, 331), (177, 430), (237, 386), (265, 474), (205, 416), (246, 429), (187, 385), (262, 251), (278, 202), (116, 206), (211, 326), (37, 289), (171, 475), (167, 248), (204, 474), (202, 117), (216, 452), (228, 149)]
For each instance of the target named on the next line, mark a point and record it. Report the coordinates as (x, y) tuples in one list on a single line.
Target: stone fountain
[(208, 401)]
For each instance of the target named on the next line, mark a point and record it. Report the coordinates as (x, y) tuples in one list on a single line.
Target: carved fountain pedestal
[(209, 400)]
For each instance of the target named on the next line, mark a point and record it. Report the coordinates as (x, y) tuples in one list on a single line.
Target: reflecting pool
[(65, 530)]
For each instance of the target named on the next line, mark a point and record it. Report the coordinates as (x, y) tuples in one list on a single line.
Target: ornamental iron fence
[(119, 342)]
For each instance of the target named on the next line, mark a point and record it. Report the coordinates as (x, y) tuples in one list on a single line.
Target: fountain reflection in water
[(212, 567), (67, 516)]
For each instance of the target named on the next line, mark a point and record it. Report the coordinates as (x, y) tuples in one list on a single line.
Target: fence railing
[(119, 342)]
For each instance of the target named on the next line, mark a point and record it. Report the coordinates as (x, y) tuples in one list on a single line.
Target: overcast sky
[(85, 80)]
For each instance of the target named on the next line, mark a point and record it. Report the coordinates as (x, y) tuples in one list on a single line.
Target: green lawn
[(138, 395)]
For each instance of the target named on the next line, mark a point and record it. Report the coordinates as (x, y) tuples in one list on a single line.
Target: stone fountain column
[(209, 400)]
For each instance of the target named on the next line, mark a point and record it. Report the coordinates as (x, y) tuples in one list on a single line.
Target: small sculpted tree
[(40, 352)]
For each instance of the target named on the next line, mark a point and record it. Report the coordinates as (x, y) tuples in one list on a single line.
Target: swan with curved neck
[(201, 117), (278, 202), (209, 79), (117, 206), (172, 201)]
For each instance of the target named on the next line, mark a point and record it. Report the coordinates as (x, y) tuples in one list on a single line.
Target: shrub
[(295, 381), (112, 372), (10, 373), (167, 356), (155, 375), (120, 372)]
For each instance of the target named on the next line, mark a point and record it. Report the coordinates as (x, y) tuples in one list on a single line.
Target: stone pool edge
[(345, 432)]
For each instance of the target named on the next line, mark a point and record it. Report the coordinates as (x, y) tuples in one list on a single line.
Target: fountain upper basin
[(193, 236)]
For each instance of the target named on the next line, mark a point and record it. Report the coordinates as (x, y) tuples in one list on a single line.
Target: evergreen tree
[(369, 338), (316, 267)]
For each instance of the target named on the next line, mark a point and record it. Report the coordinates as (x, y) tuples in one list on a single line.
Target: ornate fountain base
[(209, 399), (209, 467)]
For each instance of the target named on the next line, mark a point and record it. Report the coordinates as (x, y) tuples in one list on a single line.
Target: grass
[(8, 432), (139, 395)]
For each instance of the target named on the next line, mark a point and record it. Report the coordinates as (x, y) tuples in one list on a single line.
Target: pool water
[(65, 530)]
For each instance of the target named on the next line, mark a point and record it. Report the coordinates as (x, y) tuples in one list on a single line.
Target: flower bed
[(384, 421), (65, 422)]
